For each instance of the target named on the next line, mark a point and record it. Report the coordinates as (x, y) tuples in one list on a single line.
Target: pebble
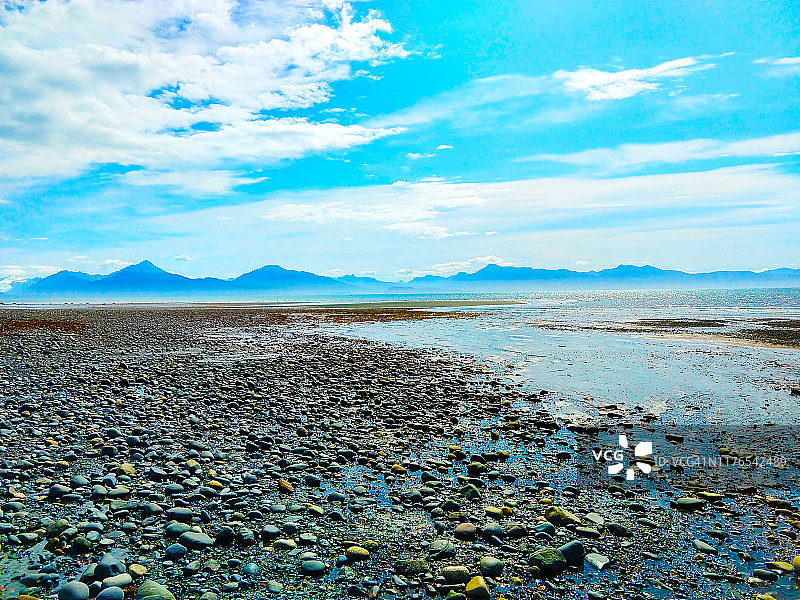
[(476, 588), (74, 590)]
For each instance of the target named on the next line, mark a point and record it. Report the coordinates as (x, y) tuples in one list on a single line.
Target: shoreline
[(244, 305), (302, 464)]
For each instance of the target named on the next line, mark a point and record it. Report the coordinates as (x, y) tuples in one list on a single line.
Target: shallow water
[(546, 344)]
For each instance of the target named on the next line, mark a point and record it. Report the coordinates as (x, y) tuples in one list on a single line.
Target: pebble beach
[(210, 452)]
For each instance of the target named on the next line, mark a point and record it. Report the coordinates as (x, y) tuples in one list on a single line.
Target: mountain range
[(145, 281)]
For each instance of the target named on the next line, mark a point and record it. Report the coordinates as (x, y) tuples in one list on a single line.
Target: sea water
[(565, 342)]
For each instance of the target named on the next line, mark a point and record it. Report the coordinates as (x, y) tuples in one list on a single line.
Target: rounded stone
[(122, 580), (356, 553), (74, 590), (175, 551), (314, 568), (152, 590), (456, 574), (492, 566), (112, 593), (195, 540), (465, 531)]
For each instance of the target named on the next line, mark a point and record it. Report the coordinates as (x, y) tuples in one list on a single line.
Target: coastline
[(405, 472)]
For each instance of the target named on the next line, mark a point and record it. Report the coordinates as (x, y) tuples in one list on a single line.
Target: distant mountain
[(272, 277), (497, 278), (144, 276), (147, 281), (370, 283), (61, 281)]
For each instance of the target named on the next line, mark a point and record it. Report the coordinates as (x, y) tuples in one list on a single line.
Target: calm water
[(545, 343)]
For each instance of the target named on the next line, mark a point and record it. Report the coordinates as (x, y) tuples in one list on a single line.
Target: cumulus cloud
[(176, 84), (617, 85), (627, 156)]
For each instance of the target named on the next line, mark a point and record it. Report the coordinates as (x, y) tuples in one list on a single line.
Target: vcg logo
[(617, 457)]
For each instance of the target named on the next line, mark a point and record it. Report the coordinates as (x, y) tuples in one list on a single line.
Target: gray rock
[(74, 590), (314, 568), (122, 580), (111, 593), (701, 546), (195, 540), (108, 566), (573, 553), (150, 590), (175, 551), (598, 561), (492, 566), (549, 561), (441, 549)]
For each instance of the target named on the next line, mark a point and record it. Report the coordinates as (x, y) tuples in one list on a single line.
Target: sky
[(398, 138)]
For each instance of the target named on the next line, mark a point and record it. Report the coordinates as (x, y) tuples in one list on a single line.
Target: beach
[(256, 451)]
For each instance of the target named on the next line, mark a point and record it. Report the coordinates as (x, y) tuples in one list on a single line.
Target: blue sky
[(398, 137)]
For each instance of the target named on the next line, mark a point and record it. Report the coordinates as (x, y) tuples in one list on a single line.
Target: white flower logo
[(641, 450)]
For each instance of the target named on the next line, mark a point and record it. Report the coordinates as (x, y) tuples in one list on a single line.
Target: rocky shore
[(167, 454)]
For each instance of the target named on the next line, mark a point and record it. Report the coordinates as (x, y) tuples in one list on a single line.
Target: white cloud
[(200, 183), (634, 155), (124, 81), (402, 206), (457, 266), (482, 102), (446, 213), (10, 274), (183, 258), (617, 85), (107, 264), (736, 217), (115, 263), (682, 104), (444, 147), (423, 230), (779, 67), (466, 106)]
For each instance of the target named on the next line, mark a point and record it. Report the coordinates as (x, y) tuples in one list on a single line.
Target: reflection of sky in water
[(725, 384)]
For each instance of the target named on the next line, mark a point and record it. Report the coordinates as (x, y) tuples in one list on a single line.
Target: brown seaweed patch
[(788, 338), (360, 315), (12, 325), (678, 323)]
